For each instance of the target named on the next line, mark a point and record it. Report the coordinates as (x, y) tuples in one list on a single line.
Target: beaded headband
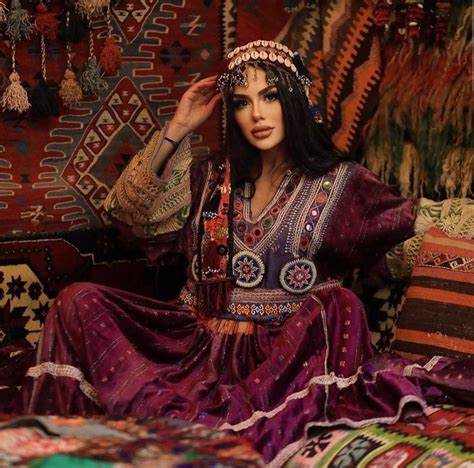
[(265, 55)]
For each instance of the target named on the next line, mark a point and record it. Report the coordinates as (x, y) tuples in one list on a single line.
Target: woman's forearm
[(174, 132)]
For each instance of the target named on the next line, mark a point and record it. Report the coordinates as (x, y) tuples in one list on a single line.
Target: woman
[(263, 339)]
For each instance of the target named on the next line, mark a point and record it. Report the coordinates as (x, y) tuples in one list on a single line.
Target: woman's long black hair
[(307, 144)]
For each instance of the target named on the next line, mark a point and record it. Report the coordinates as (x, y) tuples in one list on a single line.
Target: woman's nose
[(256, 112)]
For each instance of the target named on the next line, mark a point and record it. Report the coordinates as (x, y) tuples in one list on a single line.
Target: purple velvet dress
[(291, 351)]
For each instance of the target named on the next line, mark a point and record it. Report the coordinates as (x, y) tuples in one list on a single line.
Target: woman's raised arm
[(152, 204), (194, 108)]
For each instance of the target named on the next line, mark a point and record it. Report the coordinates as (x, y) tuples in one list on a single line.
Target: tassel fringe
[(213, 296), (422, 131), (91, 79), (43, 100), (19, 25), (70, 90), (110, 59), (91, 8), (46, 23), (15, 97)]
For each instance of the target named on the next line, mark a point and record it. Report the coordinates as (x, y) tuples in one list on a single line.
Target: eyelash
[(270, 96)]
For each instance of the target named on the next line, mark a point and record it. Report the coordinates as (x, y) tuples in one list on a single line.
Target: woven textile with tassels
[(421, 134)]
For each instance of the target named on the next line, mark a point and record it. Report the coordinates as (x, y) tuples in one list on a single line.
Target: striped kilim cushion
[(437, 317)]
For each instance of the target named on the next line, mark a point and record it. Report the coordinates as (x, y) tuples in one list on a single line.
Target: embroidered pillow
[(437, 317)]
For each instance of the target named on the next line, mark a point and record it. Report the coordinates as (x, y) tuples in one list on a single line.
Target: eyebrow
[(263, 91)]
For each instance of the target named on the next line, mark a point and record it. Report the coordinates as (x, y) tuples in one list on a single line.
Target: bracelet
[(174, 143)]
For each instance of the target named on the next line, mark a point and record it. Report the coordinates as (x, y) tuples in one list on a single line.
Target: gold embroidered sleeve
[(454, 216), (150, 204)]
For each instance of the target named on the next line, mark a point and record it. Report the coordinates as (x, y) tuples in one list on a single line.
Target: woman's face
[(258, 111)]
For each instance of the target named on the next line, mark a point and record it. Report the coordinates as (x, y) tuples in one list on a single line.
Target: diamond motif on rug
[(124, 123)]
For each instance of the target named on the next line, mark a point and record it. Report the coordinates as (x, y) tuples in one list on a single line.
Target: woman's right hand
[(194, 108)]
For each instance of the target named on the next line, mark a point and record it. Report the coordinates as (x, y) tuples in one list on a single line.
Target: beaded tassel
[(91, 79), (442, 10), (71, 26), (415, 17), (400, 22), (110, 59), (45, 22), (18, 24), (69, 90), (382, 14), (15, 97), (43, 99), (90, 8)]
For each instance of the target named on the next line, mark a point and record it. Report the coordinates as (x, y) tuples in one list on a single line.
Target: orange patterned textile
[(438, 315)]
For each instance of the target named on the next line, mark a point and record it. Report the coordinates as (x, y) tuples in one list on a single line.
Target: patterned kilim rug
[(33, 271), (444, 438), (55, 172), (99, 442)]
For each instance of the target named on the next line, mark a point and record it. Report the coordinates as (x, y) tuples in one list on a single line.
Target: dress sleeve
[(368, 221), (149, 204)]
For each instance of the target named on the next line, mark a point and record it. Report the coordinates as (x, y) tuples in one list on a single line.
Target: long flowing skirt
[(105, 350)]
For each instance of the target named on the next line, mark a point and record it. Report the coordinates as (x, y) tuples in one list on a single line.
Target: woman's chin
[(264, 144)]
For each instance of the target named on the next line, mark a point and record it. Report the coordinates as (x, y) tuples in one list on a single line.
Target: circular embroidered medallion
[(248, 269), (298, 276)]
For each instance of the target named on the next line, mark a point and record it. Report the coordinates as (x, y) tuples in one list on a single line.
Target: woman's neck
[(274, 160)]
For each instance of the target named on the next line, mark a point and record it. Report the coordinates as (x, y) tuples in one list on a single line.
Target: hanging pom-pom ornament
[(43, 100), (382, 14), (45, 22), (91, 8), (301, 68), (18, 25), (15, 97), (442, 10), (3, 12), (316, 113), (72, 27), (415, 17), (110, 59), (91, 79), (400, 23), (70, 90)]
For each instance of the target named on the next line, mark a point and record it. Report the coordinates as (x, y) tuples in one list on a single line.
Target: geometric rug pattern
[(33, 271), (55, 172), (442, 438)]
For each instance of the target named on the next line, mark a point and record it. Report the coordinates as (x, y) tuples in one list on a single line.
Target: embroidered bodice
[(274, 255), (314, 230)]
